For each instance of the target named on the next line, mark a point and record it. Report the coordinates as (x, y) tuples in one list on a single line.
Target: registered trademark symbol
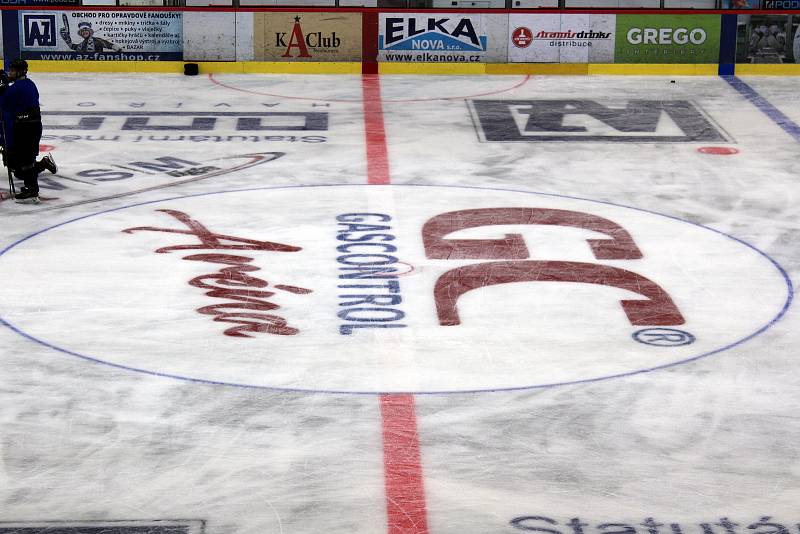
[(663, 337)]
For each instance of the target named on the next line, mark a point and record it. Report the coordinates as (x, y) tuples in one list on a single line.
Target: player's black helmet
[(19, 64)]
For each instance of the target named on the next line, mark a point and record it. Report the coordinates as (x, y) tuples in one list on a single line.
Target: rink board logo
[(434, 33), (307, 37), (192, 121), (348, 288), (39, 30), (665, 121), (667, 39)]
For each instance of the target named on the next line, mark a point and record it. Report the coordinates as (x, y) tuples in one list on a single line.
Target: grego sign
[(666, 36), (667, 39)]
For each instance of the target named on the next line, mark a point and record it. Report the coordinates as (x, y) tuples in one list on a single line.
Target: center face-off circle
[(308, 288)]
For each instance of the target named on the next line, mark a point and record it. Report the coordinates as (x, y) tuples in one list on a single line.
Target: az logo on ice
[(432, 33), (39, 30)]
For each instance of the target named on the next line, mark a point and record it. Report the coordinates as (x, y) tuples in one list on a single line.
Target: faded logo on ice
[(634, 121), (186, 121)]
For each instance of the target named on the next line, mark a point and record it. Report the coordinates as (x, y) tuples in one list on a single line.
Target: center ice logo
[(389, 289), (431, 33), (247, 295), (657, 309)]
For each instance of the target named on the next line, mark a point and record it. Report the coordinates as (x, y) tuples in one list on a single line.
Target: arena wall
[(356, 40)]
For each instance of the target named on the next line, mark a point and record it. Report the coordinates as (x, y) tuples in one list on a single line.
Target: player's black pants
[(21, 157)]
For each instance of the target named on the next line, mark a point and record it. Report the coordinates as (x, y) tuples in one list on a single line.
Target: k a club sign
[(375, 289)]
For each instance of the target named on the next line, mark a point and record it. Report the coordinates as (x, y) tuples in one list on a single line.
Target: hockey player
[(22, 130)]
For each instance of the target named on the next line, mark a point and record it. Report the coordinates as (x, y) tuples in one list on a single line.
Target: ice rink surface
[(458, 305)]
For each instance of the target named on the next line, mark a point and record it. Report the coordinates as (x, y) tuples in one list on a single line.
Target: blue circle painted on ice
[(763, 328)]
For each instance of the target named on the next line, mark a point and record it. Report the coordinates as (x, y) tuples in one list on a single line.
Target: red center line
[(405, 491), (215, 81), (377, 155)]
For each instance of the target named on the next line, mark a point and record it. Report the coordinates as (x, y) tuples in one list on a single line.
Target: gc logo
[(658, 310)]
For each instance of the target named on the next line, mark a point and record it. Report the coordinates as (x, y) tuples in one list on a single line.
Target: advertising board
[(307, 36), (442, 37), (561, 38), (101, 35), (667, 39)]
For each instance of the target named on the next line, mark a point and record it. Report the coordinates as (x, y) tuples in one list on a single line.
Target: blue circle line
[(778, 317)]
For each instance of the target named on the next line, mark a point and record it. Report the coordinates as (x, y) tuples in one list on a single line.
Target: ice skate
[(26, 197), (49, 163)]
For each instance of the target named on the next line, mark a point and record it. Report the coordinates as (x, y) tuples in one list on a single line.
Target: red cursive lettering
[(208, 239), (246, 294)]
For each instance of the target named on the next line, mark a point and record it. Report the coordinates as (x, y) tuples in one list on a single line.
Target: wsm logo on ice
[(431, 33)]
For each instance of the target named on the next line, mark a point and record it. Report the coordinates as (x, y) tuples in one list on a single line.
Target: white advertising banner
[(101, 35), (442, 37), (561, 38)]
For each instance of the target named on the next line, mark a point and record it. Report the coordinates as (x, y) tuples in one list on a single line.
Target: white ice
[(119, 401)]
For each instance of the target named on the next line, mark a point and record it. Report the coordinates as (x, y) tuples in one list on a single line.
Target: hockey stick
[(11, 189)]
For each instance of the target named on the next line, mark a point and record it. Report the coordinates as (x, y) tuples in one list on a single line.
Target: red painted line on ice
[(402, 467), (525, 79), (718, 150), (405, 491), (377, 153)]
